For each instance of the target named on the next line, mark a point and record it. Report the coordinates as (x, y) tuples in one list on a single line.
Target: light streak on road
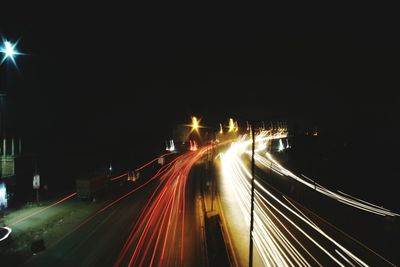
[(160, 172), (269, 162), (119, 177), (150, 162), (143, 166), (43, 209), (109, 205), (283, 235), (157, 237)]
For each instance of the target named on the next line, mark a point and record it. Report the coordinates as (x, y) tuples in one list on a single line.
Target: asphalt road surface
[(156, 224)]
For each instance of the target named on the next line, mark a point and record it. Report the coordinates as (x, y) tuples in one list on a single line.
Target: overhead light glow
[(195, 123), (9, 50)]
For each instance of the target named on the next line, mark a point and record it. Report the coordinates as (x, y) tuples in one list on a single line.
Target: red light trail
[(112, 179), (143, 166), (41, 210), (157, 237)]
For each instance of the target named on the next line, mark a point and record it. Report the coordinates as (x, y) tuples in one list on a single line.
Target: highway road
[(286, 233), (153, 224), (156, 220)]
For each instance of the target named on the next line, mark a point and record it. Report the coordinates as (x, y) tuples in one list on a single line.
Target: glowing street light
[(195, 124), (9, 49), (10, 52)]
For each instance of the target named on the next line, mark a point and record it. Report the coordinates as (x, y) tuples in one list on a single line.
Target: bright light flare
[(10, 52), (195, 123), (9, 49)]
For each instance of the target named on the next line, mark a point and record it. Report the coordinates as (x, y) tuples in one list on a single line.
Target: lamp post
[(10, 52), (195, 124), (252, 196), (195, 127)]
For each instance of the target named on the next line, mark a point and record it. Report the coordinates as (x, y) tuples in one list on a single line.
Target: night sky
[(110, 78)]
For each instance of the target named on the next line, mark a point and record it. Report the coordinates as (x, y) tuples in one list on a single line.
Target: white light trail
[(279, 227), (8, 232), (272, 164)]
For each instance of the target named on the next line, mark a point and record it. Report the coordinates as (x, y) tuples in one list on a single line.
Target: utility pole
[(36, 182), (252, 196), (213, 185)]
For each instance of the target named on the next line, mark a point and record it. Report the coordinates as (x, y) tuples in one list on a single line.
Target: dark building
[(16, 170)]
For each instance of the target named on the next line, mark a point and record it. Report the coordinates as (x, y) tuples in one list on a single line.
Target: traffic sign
[(36, 181)]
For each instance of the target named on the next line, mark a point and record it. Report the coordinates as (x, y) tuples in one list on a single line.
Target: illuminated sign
[(36, 181)]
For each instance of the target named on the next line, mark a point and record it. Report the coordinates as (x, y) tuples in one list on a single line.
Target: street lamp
[(252, 194), (10, 52), (195, 124)]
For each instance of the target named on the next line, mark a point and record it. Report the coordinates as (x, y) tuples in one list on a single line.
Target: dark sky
[(106, 75)]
